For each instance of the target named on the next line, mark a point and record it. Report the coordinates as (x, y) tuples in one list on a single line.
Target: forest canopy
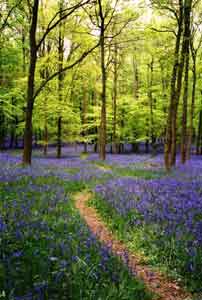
[(107, 73)]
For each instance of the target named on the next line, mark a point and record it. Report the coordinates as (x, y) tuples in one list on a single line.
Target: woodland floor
[(134, 229), (154, 281)]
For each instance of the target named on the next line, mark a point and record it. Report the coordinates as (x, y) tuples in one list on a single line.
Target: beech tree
[(139, 84), (34, 48)]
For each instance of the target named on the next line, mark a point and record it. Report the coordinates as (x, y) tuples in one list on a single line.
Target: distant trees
[(182, 13), (35, 45), (140, 82)]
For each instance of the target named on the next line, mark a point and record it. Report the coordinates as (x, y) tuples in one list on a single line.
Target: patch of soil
[(154, 281)]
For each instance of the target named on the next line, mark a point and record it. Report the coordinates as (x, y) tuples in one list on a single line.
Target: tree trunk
[(12, 137), (13, 125), (187, 36), (150, 98), (183, 61), (190, 130), (114, 135), (84, 117), (94, 101), (16, 135), (59, 136), (27, 153), (60, 83), (45, 148), (184, 113), (165, 84), (2, 128), (171, 111), (102, 131), (199, 136), (136, 79), (23, 52), (135, 148)]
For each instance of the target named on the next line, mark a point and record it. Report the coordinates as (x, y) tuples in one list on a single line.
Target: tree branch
[(120, 30), (164, 30), (112, 15), (79, 60), (50, 27), (5, 22)]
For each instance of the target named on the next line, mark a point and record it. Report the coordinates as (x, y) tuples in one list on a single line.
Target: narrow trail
[(154, 281)]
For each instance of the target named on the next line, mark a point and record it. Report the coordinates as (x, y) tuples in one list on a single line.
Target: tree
[(175, 88), (185, 54), (34, 48), (195, 44)]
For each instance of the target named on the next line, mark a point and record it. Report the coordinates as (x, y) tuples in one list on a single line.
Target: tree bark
[(185, 48), (102, 131), (31, 93), (45, 148), (27, 153), (170, 127), (190, 130), (150, 98), (185, 54), (114, 134), (2, 127), (199, 135), (84, 117), (60, 83), (23, 52), (95, 141), (184, 113)]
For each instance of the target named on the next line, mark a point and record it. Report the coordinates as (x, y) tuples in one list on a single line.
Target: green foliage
[(135, 50)]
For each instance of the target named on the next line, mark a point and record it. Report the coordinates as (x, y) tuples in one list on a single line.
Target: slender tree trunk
[(12, 126), (59, 136), (84, 117), (175, 108), (23, 52), (165, 83), (102, 130), (150, 98), (114, 134), (187, 36), (12, 137), (184, 113), (94, 101), (27, 153), (183, 61), (45, 49), (199, 135), (122, 125), (170, 128), (60, 83), (16, 135), (136, 79), (2, 126), (190, 130), (2, 117), (45, 148)]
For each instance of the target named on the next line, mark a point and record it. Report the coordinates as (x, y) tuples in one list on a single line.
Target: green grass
[(138, 170), (144, 174)]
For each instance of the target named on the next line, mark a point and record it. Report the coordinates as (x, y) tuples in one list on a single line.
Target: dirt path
[(154, 281)]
